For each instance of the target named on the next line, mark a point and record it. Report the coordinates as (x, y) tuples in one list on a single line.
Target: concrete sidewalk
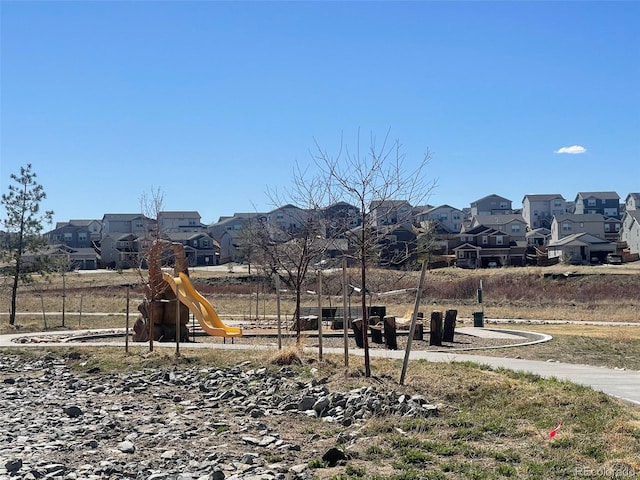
[(622, 384)]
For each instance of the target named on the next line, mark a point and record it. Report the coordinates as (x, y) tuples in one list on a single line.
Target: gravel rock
[(176, 423)]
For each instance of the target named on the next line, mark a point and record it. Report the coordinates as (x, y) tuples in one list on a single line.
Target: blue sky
[(215, 102)]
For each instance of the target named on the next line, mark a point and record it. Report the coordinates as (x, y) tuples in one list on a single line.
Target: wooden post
[(126, 325), (357, 332), (449, 325), (436, 328), (419, 332), (345, 312), (320, 315), (279, 319), (414, 317), (178, 325), (151, 326), (80, 313)]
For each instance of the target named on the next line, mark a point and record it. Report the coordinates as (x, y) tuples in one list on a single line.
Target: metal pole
[(346, 311), (412, 330), (320, 315)]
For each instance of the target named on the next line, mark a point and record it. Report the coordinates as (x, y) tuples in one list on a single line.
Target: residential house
[(632, 202), (390, 212), (538, 237), (234, 223), (175, 222), (397, 245), (285, 222), (65, 257), (230, 247), (581, 248), (339, 218), (570, 224), (538, 210), (445, 217), (199, 248), (491, 205), (510, 223), (630, 231), (612, 228), (606, 204), (120, 251), (76, 233), (123, 239), (484, 246)]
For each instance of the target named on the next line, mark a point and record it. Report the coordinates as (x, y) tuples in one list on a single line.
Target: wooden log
[(357, 332), (390, 333), (449, 325), (418, 333), (376, 329), (435, 337)]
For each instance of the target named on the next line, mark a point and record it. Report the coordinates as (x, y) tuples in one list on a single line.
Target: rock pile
[(192, 423)]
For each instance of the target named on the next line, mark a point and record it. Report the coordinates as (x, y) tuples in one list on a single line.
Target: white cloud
[(573, 149)]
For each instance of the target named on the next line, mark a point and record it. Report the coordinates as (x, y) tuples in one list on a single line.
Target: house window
[(456, 216), (607, 227), (499, 240), (503, 205), (557, 204), (82, 236), (515, 228), (566, 227), (205, 243), (591, 202), (485, 240), (68, 237), (617, 227)]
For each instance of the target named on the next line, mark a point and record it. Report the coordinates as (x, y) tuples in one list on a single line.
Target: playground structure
[(158, 312)]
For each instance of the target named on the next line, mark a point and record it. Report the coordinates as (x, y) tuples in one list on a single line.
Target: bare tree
[(24, 225), (292, 237), (370, 179)]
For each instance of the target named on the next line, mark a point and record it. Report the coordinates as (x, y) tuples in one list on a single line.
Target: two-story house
[(286, 221), (199, 248), (175, 222), (538, 210), (606, 204), (483, 246), (122, 238), (491, 205), (390, 212), (512, 224), (76, 233), (568, 224), (339, 218), (445, 217), (630, 231), (632, 202)]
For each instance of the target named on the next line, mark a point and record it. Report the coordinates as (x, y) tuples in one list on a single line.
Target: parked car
[(614, 259)]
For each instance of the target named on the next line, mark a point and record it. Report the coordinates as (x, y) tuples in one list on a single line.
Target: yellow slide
[(200, 306)]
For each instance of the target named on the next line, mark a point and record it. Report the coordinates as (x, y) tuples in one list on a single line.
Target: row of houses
[(490, 232)]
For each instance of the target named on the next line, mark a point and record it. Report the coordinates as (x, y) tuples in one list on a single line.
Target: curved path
[(622, 384)]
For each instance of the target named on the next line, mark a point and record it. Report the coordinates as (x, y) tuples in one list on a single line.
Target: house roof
[(122, 216), (634, 195), (179, 214), (579, 217), (579, 239), (498, 219), (600, 195), (542, 197), (493, 195), (538, 232)]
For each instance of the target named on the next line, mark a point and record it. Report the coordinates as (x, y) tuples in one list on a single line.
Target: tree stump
[(449, 325), (376, 329), (436, 328), (390, 333)]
